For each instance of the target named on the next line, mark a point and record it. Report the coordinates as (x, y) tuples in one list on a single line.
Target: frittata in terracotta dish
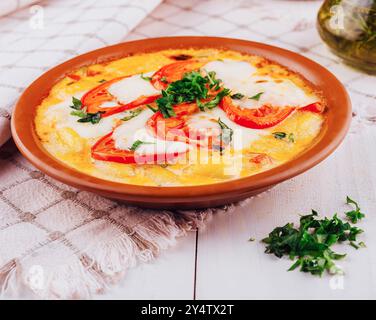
[(180, 117)]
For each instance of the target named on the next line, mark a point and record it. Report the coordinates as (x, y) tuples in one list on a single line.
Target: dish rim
[(25, 137)]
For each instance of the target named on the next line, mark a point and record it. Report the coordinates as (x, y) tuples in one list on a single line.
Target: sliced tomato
[(173, 72), (73, 76), (316, 107), (265, 116), (261, 159), (178, 129), (94, 99), (104, 149), (172, 128)]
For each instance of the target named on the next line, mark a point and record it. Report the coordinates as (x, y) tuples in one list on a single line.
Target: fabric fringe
[(114, 249), (5, 273)]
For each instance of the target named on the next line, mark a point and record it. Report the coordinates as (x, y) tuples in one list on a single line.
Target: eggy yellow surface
[(67, 146)]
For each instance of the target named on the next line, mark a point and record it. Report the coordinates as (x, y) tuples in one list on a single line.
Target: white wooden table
[(220, 262)]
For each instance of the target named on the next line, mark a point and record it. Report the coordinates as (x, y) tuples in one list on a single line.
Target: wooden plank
[(170, 276)]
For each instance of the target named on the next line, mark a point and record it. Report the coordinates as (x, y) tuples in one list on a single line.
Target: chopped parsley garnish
[(84, 116), (145, 77), (76, 103), (291, 137), (237, 96), (354, 215), (227, 132), (361, 244), (354, 245), (279, 135), (284, 136), (256, 96), (193, 87), (214, 102), (94, 118), (311, 243), (102, 80), (165, 104), (132, 114), (151, 108), (138, 143), (79, 113), (164, 80), (214, 83)]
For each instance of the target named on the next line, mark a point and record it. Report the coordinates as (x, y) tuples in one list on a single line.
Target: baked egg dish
[(180, 117)]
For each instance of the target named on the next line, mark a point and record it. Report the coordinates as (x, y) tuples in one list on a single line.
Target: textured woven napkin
[(9, 6)]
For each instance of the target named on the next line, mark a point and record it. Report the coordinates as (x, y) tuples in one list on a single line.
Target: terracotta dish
[(337, 120)]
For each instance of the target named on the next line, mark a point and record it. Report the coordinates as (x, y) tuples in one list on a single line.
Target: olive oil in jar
[(348, 27)]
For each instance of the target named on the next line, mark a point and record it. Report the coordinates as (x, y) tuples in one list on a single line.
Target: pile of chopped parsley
[(193, 87), (311, 243)]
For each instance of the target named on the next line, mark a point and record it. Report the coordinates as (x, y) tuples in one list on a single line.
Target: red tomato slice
[(104, 149), (74, 77), (172, 128), (261, 159), (263, 117), (177, 129), (94, 98), (173, 72), (316, 107)]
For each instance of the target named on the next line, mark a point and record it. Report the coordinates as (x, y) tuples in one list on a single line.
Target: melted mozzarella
[(131, 88), (131, 131), (124, 139), (203, 121), (242, 137), (60, 114), (109, 104), (124, 135), (239, 77), (234, 74), (158, 146), (274, 92)]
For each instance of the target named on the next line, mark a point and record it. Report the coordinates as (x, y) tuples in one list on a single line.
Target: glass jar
[(348, 27)]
